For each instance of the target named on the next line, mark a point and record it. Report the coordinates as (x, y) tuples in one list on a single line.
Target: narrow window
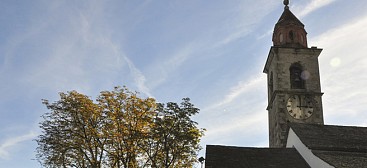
[(271, 89), (291, 35), (296, 80)]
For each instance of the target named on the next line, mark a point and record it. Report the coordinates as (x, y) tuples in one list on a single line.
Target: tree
[(118, 130), (70, 136), (128, 120), (175, 138)]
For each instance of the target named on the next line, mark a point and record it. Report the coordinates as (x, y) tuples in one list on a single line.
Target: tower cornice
[(274, 50)]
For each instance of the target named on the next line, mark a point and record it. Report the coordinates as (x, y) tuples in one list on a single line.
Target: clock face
[(300, 106)]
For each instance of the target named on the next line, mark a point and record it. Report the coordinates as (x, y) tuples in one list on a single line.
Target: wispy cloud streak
[(139, 77), (344, 82), (9, 143), (248, 16), (241, 88), (312, 6)]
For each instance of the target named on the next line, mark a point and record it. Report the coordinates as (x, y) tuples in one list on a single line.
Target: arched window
[(302, 39), (291, 35), (296, 79), (281, 37)]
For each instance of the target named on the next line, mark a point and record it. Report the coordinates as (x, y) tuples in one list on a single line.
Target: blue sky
[(210, 51)]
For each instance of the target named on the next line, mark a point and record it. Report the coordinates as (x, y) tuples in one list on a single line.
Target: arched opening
[(291, 35), (296, 79)]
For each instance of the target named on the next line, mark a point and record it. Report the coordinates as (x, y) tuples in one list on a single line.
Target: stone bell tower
[(292, 68)]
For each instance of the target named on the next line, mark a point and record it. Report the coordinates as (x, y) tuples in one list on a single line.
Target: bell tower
[(292, 68)]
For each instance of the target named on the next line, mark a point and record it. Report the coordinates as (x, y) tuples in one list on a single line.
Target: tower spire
[(289, 31)]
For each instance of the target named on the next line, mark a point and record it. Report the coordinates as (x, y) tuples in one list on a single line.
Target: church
[(298, 137)]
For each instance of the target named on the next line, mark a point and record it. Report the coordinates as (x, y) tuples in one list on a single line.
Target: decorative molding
[(290, 92)]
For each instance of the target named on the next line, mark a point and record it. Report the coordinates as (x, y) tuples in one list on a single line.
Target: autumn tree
[(118, 130), (71, 133), (128, 121), (175, 137)]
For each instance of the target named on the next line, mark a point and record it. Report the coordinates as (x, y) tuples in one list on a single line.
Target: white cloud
[(240, 121), (219, 35), (138, 77), (247, 16), (312, 6), (236, 114), (242, 88), (12, 142), (343, 72), (161, 71), (80, 55), (240, 125)]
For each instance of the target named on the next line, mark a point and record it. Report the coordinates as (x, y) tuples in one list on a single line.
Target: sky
[(210, 51)]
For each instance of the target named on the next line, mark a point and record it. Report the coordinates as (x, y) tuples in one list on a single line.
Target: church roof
[(342, 159), (339, 146), (244, 157), (332, 138)]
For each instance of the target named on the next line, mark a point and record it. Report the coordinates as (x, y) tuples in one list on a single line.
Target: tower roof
[(288, 18), (289, 31)]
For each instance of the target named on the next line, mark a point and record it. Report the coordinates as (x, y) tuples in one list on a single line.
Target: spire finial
[(286, 3)]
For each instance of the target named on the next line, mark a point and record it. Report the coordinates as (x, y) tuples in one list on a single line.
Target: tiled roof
[(243, 157), (340, 146), (332, 138), (343, 159)]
